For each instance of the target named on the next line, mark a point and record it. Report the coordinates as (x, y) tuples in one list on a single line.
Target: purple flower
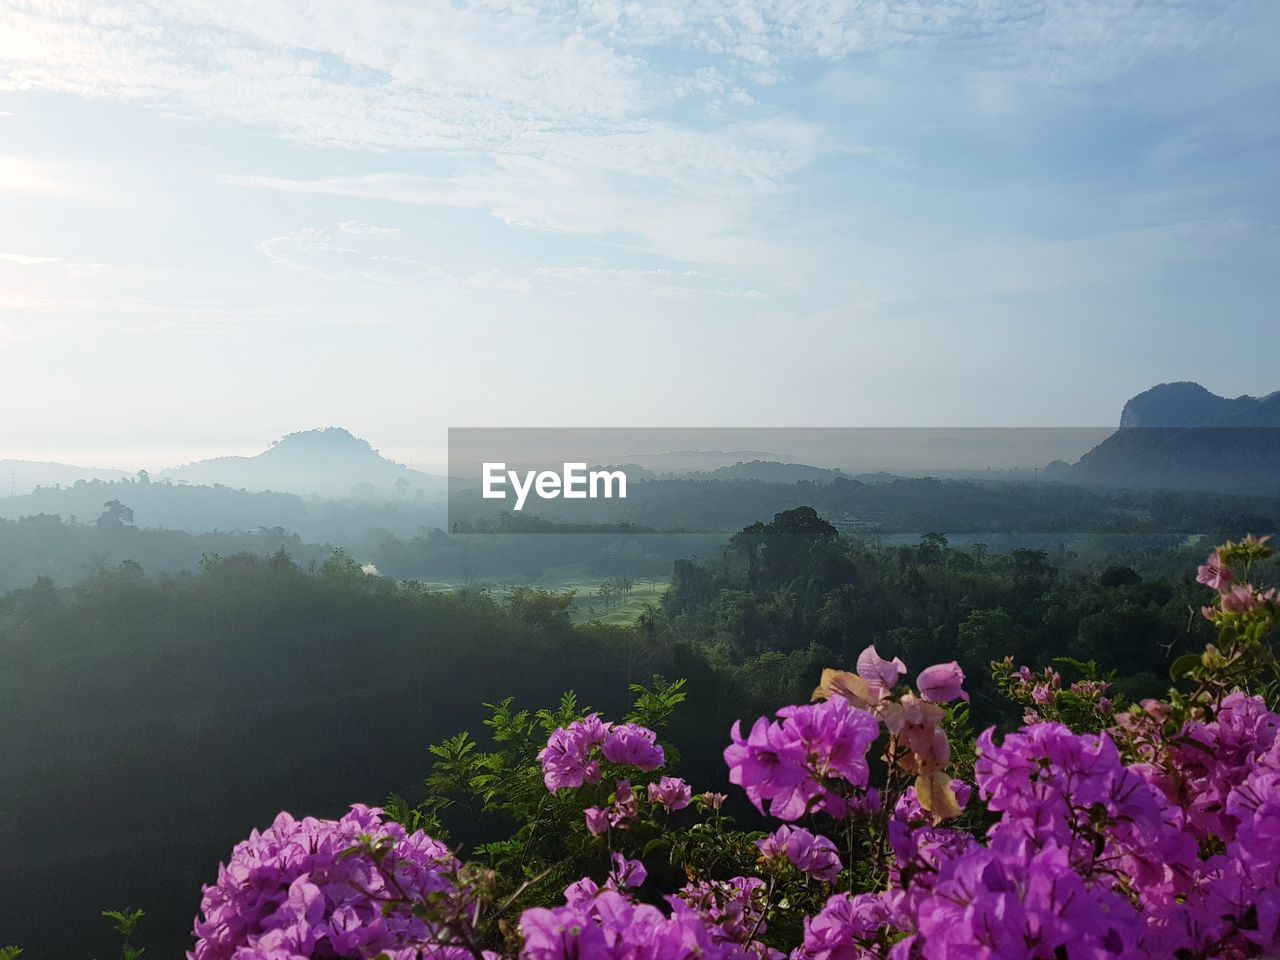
[(794, 765), (847, 928), (809, 853), (304, 888), (566, 759), (989, 905), (942, 683), (732, 909), (626, 873), (630, 745), (597, 821), (626, 806), (671, 792), (611, 927)]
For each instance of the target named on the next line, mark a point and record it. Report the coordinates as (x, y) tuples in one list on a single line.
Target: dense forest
[(148, 720)]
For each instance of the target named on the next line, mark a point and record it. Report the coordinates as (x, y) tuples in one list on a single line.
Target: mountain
[(329, 463), (20, 477), (1186, 404), (1182, 436), (772, 471)]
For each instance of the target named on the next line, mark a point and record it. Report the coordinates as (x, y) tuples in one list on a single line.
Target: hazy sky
[(220, 221)]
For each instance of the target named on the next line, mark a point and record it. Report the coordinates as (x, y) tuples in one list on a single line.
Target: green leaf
[(1183, 666)]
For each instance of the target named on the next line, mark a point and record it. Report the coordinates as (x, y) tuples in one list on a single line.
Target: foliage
[(126, 922)]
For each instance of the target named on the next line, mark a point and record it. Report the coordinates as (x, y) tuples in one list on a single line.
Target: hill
[(1182, 436), (330, 462), (1186, 404), (18, 477)]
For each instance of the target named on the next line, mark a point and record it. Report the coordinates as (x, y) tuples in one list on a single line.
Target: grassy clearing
[(588, 605)]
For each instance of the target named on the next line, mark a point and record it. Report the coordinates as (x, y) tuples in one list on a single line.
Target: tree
[(1119, 577), (114, 515)]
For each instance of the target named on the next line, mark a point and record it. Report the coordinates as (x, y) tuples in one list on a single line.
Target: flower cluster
[(671, 792), (807, 761), (571, 757), (1083, 703), (809, 853), (612, 927), (1236, 597), (733, 910), (918, 743), (327, 888)]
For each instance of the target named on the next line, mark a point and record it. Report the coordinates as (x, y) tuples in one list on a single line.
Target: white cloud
[(645, 124), (359, 229)]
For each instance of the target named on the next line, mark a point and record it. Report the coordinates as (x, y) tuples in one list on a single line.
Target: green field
[(588, 605)]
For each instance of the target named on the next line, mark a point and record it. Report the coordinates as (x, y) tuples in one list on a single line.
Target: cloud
[(359, 229), (321, 255), (649, 125)]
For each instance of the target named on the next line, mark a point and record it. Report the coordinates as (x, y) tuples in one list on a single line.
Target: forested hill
[(328, 463)]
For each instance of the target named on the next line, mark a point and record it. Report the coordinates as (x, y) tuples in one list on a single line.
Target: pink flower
[(626, 806), (1041, 695), (1213, 573), (942, 683), (671, 792), (714, 800), (879, 672), (1240, 599)]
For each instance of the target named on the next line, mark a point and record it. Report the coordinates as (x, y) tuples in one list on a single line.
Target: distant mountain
[(329, 463), (772, 471), (22, 476), (691, 461), (1182, 436)]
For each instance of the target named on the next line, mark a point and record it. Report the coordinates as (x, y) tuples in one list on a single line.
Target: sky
[(221, 222)]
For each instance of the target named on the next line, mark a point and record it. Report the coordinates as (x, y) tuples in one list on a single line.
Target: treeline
[(67, 550), (201, 509), (915, 505), (782, 587)]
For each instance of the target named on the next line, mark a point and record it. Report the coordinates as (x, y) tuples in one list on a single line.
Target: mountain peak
[(334, 439), (1188, 404), (327, 461)]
